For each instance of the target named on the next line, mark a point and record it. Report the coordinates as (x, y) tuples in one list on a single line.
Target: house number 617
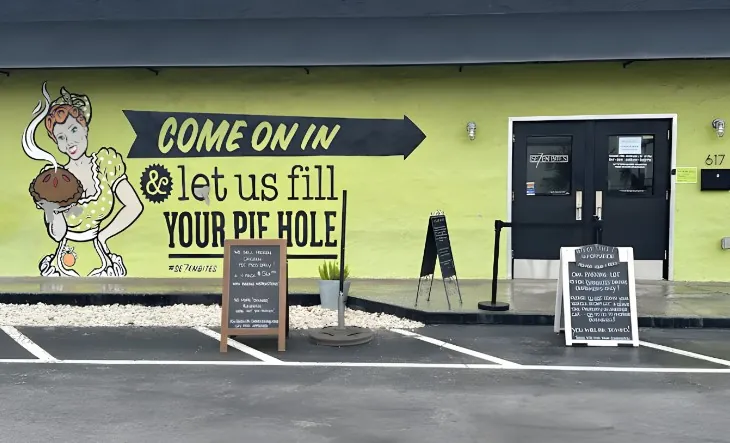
[(715, 159)]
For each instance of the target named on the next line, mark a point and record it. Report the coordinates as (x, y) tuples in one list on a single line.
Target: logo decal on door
[(548, 158), (530, 188)]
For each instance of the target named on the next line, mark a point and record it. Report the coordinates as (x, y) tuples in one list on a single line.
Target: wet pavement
[(443, 383), (685, 299)]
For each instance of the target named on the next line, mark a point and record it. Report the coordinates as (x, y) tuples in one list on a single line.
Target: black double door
[(566, 173)]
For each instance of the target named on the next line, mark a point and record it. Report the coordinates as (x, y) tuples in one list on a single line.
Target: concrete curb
[(523, 319)]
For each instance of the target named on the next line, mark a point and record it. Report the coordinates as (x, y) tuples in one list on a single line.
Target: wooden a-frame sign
[(254, 290)]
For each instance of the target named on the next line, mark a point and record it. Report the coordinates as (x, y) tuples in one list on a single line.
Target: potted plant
[(329, 284)]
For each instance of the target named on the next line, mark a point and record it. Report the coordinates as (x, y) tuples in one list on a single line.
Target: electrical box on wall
[(715, 180)]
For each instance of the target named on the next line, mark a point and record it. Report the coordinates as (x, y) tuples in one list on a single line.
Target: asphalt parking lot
[(460, 383), (445, 346)]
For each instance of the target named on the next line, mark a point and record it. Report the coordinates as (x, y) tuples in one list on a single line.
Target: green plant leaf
[(331, 271)]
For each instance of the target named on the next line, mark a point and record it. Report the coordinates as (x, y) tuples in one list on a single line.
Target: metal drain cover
[(341, 336)]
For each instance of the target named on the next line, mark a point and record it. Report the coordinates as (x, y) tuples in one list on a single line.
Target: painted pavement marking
[(28, 344), (718, 361), (238, 345), (469, 366), (24, 360), (456, 348)]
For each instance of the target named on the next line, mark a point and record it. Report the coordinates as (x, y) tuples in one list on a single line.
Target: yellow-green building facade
[(333, 129)]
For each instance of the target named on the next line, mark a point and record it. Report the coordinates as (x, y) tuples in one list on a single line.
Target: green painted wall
[(390, 198)]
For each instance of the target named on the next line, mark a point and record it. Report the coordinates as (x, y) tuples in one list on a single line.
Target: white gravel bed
[(301, 317)]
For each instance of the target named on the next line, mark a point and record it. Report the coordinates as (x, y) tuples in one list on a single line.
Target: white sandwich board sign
[(595, 303)]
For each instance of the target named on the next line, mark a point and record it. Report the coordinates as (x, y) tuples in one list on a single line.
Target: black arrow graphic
[(180, 134)]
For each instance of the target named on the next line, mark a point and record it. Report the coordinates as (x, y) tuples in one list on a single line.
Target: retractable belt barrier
[(493, 305)]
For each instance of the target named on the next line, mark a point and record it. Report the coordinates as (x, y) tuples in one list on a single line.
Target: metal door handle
[(599, 205), (578, 205)]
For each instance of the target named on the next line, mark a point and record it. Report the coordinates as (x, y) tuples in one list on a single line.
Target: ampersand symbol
[(156, 183)]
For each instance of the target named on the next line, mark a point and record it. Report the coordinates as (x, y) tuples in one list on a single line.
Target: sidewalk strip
[(237, 345), (456, 348), (718, 361), (28, 344)]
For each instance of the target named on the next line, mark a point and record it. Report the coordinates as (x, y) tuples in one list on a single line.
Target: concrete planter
[(329, 292)]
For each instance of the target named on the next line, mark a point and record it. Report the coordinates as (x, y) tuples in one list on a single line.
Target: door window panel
[(631, 164), (549, 165)]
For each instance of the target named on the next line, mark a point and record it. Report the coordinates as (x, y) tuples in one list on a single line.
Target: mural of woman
[(78, 198)]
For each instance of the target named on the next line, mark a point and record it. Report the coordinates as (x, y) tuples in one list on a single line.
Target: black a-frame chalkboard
[(438, 247)]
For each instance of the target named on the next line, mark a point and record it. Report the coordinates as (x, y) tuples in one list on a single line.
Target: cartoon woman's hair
[(59, 114), (77, 106), (32, 150)]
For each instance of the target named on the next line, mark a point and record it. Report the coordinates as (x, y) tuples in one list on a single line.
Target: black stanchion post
[(341, 299), (493, 304), (495, 259)]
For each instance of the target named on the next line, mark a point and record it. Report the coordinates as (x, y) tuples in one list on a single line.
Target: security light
[(719, 126), (471, 130)]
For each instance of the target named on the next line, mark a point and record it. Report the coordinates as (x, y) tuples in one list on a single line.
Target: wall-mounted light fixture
[(719, 125), (471, 130)]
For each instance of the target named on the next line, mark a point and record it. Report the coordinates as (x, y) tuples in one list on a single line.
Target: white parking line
[(456, 348), (300, 364), (719, 361), (28, 344), (279, 363), (25, 360), (237, 345), (400, 365), (614, 369)]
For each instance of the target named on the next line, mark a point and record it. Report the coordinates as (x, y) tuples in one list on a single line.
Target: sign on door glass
[(631, 164), (549, 166)]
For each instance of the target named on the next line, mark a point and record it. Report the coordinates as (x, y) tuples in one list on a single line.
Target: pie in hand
[(58, 186)]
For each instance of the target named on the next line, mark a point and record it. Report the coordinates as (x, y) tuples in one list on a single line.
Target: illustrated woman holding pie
[(78, 199)]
